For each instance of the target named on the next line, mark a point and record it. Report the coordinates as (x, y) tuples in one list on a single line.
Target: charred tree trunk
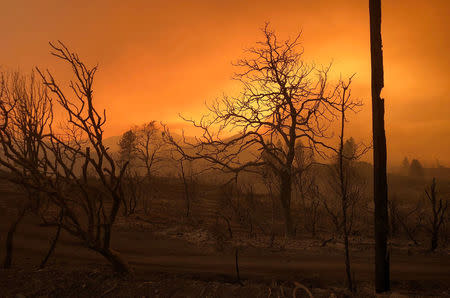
[(434, 240), (186, 189), (236, 262), (9, 239), (285, 198), (272, 236), (52, 247), (345, 225), (439, 210), (347, 264), (118, 263), (53, 244), (343, 183), (347, 252), (382, 278)]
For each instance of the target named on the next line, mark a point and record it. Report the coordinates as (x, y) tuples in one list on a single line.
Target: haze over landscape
[(161, 58), (224, 148)]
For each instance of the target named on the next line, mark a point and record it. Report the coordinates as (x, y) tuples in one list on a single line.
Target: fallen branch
[(109, 290), (324, 243), (300, 286)]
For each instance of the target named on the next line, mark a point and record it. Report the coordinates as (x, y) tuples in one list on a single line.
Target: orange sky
[(160, 58)]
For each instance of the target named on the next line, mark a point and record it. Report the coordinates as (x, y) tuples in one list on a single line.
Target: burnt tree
[(283, 101), (380, 194), (25, 111), (69, 165), (438, 210), (348, 188)]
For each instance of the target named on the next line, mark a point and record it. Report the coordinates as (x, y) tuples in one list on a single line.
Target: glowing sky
[(160, 58)]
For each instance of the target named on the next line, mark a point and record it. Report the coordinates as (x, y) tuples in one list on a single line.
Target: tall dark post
[(382, 278)]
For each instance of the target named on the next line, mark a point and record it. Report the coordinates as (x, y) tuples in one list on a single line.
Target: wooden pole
[(382, 276)]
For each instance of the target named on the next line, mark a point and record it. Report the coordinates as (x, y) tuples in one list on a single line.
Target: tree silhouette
[(405, 162), (25, 112), (348, 190), (127, 155), (439, 211), (142, 147), (306, 187), (61, 157), (343, 175), (416, 169), (382, 276), (283, 101), (149, 146), (127, 144)]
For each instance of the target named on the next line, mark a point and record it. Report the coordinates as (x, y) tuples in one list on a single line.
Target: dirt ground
[(98, 281), (181, 262), (172, 256), (93, 280)]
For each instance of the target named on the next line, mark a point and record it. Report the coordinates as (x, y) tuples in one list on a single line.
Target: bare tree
[(189, 183), (393, 220), (134, 191), (343, 188), (83, 135), (439, 211), (25, 112), (235, 207), (410, 220), (67, 153), (149, 147), (349, 191), (127, 144), (131, 180), (306, 186), (283, 101), (346, 183), (272, 188), (416, 168), (54, 240), (382, 276), (7, 262), (142, 147)]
